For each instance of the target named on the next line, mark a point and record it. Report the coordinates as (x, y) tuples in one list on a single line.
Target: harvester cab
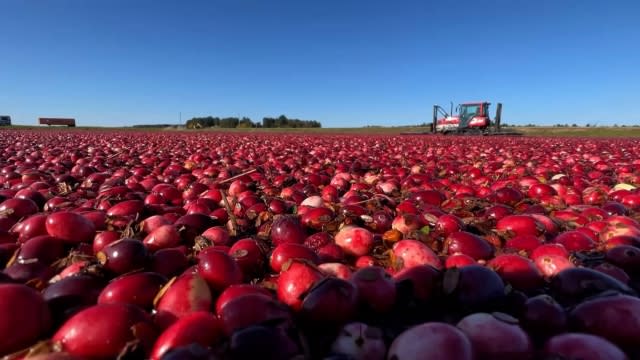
[(474, 115)]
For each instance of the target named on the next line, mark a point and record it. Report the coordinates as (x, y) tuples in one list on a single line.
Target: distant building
[(5, 120)]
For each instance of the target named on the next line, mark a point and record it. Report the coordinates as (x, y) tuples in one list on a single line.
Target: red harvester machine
[(473, 118)]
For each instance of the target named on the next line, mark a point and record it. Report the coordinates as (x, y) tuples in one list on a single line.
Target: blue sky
[(341, 62)]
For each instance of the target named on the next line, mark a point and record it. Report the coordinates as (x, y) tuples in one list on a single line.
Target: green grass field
[(630, 132), (582, 131)]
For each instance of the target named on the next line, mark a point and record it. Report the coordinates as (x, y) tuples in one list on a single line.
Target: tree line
[(245, 122)]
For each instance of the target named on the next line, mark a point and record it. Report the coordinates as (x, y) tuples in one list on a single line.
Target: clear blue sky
[(341, 62)]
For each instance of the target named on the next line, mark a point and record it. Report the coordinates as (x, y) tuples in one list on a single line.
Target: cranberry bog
[(209, 245)]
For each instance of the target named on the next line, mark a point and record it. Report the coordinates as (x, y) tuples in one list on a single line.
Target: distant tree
[(574, 125), (284, 122), (245, 122)]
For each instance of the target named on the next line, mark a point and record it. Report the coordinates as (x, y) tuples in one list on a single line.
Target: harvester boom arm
[(437, 109)]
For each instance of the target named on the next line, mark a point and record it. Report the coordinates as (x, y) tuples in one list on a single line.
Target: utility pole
[(180, 118)]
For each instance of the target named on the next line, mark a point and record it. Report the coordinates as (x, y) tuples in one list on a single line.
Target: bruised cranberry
[(507, 195), (520, 225), (317, 218), (468, 244), (330, 302), (44, 248), (220, 216), (376, 288), (575, 241), (381, 221), (184, 294), (248, 254), (518, 271), (112, 327), (217, 235), (17, 208), (423, 279), (169, 262), (551, 264), (614, 208), (498, 211), (278, 206), (255, 210), (31, 272), (123, 256), (153, 222), (200, 327), (33, 195), (330, 253), (459, 260), (318, 240), (428, 197), (448, 224), (288, 251), (70, 294), (218, 269), (295, 280), (287, 229), (252, 309), (104, 238), (236, 290), (97, 217), (192, 225), (72, 269)]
